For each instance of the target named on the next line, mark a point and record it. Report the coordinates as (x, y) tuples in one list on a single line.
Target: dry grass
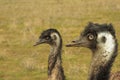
[(22, 21)]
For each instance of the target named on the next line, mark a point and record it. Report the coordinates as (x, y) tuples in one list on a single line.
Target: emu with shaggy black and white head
[(101, 39), (53, 38)]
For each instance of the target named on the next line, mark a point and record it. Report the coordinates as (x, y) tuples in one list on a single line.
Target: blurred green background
[(22, 21)]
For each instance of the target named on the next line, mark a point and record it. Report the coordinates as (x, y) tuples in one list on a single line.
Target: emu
[(53, 38), (101, 40)]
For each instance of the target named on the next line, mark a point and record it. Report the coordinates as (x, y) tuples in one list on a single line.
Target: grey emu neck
[(55, 70), (103, 58)]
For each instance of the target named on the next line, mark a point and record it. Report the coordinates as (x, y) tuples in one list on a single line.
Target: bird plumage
[(53, 38), (101, 39)]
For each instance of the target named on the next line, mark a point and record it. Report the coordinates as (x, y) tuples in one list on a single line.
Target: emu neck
[(55, 70), (102, 60)]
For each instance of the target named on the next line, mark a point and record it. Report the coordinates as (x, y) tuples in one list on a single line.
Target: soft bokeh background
[(22, 21)]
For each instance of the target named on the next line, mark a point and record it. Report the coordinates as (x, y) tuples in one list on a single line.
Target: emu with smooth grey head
[(53, 38), (101, 39)]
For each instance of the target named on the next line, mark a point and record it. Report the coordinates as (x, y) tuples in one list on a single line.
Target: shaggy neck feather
[(103, 58), (55, 70)]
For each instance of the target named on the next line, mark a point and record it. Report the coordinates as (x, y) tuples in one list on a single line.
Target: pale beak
[(40, 41), (78, 43)]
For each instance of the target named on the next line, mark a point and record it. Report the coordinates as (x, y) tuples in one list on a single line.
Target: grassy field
[(22, 21)]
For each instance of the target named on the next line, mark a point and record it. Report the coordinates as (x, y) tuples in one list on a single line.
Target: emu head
[(49, 36), (91, 38)]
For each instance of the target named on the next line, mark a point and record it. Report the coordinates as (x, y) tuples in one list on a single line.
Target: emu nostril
[(74, 41)]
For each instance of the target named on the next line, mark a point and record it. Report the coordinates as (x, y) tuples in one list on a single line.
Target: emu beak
[(77, 43), (40, 41)]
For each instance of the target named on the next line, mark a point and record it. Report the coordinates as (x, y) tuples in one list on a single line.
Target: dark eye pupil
[(47, 38), (90, 37)]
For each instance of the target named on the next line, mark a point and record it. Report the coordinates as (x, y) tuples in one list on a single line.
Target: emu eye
[(47, 38), (90, 36)]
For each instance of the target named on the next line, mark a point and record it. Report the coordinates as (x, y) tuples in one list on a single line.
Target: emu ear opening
[(54, 37), (103, 39)]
